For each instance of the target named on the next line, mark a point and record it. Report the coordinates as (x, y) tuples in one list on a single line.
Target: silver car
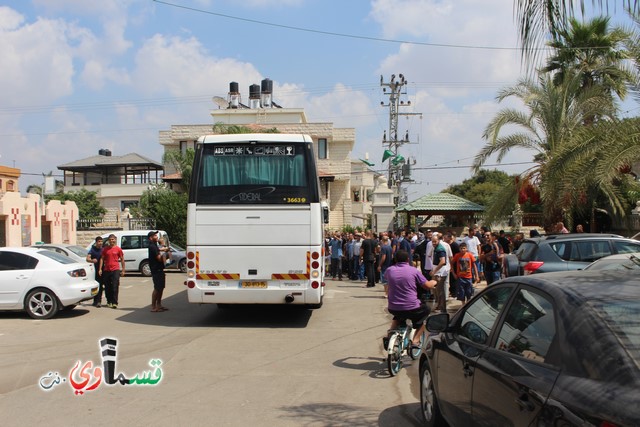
[(178, 258)]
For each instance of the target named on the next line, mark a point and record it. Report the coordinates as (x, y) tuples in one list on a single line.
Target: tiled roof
[(440, 202)]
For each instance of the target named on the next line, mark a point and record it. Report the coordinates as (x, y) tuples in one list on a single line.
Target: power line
[(361, 37), (335, 34)]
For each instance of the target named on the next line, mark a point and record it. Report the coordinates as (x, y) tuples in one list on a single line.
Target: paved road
[(250, 365)]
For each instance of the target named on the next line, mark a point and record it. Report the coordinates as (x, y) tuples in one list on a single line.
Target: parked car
[(636, 236), (178, 258), (562, 252), (135, 247), (545, 349), (75, 252), (43, 282), (617, 262)]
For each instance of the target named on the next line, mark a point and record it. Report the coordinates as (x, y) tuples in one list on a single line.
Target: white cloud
[(183, 67)]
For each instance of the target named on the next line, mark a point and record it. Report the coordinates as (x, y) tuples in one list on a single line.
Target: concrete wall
[(24, 220)]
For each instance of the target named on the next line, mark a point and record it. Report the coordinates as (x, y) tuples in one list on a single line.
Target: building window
[(184, 145), (322, 148), (10, 185)]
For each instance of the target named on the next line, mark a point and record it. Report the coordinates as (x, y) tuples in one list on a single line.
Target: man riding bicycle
[(403, 302)]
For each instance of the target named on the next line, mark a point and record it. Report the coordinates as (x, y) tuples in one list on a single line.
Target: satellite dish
[(221, 102)]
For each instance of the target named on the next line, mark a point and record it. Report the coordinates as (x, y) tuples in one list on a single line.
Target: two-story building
[(333, 146)]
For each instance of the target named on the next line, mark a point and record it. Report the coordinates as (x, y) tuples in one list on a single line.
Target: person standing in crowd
[(335, 250), (440, 272), (504, 243), (492, 258), (156, 264), (463, 267), (447, 248), (367, 255), (473, 247), (111, 269), (357, 245), (450, 239), (385, 261), (579, 228), (517, 241), (560, 228), (93, 257)]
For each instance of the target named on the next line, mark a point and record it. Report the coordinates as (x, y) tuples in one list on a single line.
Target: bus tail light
[(315, 284), (191, 284), (191, 264), (315, 255), (315, 265), (191, 255), (532, 266)]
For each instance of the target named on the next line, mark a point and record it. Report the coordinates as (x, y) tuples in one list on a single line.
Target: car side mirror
[(438, 322)]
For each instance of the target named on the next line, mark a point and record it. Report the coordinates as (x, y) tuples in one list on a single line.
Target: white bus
[(255, 224)]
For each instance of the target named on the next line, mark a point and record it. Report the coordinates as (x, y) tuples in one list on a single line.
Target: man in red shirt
[(464, 271), (111, 268)]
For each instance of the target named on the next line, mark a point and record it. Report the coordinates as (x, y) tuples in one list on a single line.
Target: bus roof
[(247, 137)]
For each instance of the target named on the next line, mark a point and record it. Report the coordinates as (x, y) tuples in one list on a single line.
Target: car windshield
[(630, 262), (62, 259), (623, 318), (78, 250)]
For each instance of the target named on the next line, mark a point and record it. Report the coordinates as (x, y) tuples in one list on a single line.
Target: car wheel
[(510, 266), (428, 399), (145, 269), (182, 265), (41, 304)]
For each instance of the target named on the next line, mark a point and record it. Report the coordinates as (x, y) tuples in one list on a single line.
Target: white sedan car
[(42, 282)]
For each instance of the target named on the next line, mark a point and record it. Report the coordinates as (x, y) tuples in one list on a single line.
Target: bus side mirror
[(325, 214)]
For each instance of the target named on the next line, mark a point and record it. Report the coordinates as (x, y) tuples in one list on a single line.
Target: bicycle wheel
[(415, 352), (394, 358)]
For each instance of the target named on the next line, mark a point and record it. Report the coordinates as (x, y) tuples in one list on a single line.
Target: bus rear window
[(273, 173)]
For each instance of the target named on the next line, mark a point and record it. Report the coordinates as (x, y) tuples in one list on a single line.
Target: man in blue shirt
[(335, 246)]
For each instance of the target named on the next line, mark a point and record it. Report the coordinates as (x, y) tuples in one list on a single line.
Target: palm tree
[(553, 113), (593, 51), (537, 19), (592, 167)]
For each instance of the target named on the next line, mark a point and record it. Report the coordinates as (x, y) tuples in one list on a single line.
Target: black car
[(562, 252), (546, 349)]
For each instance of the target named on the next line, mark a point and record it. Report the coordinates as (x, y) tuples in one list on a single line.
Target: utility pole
[(399, 167)]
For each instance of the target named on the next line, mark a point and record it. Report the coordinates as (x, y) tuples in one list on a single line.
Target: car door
[(460, 350), (16, 272), (515, 375)]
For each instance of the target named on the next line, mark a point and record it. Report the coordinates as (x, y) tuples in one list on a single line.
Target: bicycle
[(398, 342)]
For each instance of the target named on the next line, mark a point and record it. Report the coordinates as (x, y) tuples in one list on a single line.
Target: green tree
[(87, 202), (552, 114), (169, 209), (481, 187), (538, 19), (594, 52), (183, 163), (591, 170)]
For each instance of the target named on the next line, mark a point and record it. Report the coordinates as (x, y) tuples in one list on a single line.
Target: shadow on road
[(183, 313)]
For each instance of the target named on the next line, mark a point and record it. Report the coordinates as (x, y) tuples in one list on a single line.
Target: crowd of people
[(456, 264)]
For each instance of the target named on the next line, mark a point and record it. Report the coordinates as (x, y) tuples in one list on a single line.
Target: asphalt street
[(201, 365)]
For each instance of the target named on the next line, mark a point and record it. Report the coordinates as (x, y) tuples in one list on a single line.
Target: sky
[(77, 76)]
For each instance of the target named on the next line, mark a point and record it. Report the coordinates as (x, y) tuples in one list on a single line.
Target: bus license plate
[(254, 284)]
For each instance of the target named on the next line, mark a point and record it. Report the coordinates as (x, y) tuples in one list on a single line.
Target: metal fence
[(124, 224)]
